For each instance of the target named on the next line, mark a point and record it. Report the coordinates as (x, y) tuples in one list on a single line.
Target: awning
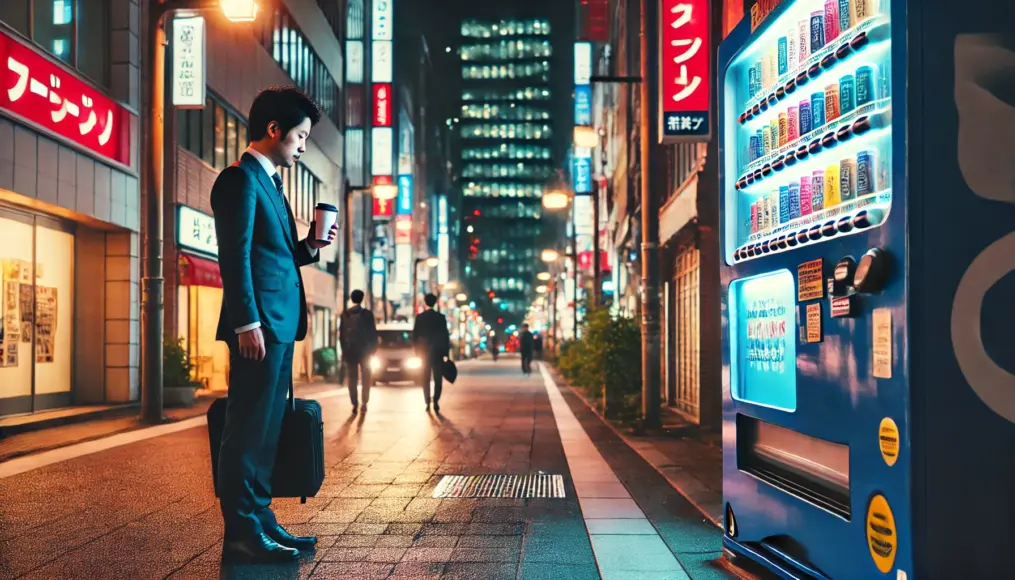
[(196, 271)]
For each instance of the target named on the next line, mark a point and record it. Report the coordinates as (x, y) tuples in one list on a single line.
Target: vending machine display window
[(810, 137), (763, 323)]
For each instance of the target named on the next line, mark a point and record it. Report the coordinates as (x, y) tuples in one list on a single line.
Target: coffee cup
[(325, 216)]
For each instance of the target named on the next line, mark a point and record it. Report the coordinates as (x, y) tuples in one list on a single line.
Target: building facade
[(506, 157), (69, 204), (295, 42), (688, 189)]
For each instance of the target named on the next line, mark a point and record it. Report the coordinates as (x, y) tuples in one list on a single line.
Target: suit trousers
[(258, 394), (433, 366), (358, 370)]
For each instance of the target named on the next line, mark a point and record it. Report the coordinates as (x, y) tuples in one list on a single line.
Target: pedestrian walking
[(432, 341), (264, 312), (494, 343), (357, 335), (537, 346), (526, 345)]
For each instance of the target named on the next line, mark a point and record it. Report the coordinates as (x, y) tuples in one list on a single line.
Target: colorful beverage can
[(766, 140), (784, 204), (805, 117), (860, 10), (832, 110), (793, 124), (817, 30), (818, 190), (805, 195), (847, 94), (774, 128), (844, 17), (831, 20), (783, 56), (884, 80), (765, 211), (791, 49), (754, 218), (803, 37), (832, 197), (754, 148), (866, 172), (752, 81), (864, 85), (783, 129), (774, 212), (765, 79), (773, 65), (794, 200), (818, 110), (847, 179)]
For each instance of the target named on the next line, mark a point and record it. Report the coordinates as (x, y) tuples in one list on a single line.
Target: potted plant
[(177, 386)]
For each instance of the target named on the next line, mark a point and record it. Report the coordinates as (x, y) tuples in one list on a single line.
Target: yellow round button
[(881, 534)]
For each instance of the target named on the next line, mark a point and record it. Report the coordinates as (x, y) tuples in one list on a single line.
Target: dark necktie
[(281, 193)]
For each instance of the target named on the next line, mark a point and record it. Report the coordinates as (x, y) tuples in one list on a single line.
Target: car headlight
[(414, 363), (375, 363)]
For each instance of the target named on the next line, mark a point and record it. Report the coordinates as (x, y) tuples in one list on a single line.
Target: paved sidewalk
[(691, 461)]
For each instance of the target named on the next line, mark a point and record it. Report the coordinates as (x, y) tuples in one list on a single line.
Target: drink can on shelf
[(847, 94), (883, 81), (847, 179), (765, 208), (783, 56), (791, 49), (832, 110), (832, 197), (866, 172), (805, 117), (755, 150), (774, 128), (817, 110), (766, 140), (803, 38), (752, 82), (794, 200), (805, 195), (844, 18), (773, 64), (765, 79), (754, 218), (817, 30), (831, 20), (818, 190), (784, 204), (783, 129), (864, 85), (774, 210), (861, 10), (793, 126)]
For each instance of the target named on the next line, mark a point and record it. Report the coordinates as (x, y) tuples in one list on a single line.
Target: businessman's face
[(293, 144)]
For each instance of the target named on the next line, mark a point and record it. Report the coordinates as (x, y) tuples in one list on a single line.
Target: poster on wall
[(27, 308), (45, 323), (11, 331)]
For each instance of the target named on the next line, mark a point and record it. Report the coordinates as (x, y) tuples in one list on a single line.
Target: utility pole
[(650, 163)]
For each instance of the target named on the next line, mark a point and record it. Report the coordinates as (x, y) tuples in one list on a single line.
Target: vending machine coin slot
[(870, 274), (843, 276)]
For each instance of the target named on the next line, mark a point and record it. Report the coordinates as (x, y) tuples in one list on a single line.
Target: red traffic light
[(500, 321)]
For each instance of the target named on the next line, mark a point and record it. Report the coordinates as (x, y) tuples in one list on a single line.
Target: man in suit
[(432, 341), (358, 337), (263, 313), (526, 345)]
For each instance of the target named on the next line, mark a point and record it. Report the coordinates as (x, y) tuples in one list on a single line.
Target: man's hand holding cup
[(324, 228)]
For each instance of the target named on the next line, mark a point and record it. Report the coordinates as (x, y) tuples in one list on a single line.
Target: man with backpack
[(357, 335), (432, 341)]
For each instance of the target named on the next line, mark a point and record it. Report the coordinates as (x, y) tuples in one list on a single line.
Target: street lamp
[(541, 289), (461, 297), (550, 256), (385, 191), (431, 262), (556, 199), (153, 309), (544, 276)]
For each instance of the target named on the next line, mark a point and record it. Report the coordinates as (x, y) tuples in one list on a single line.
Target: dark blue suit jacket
[(259, 255)]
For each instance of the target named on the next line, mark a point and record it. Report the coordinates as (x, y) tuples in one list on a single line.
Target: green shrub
[(176, 365), (606, 363), (326, 362)]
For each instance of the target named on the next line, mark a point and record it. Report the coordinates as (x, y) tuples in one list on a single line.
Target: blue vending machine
[(867, 152)]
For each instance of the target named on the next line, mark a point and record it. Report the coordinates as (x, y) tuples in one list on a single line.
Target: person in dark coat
[(527, 345), (432, 341), (357, 335)]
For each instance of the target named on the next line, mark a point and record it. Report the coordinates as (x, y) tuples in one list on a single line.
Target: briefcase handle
[(292, 396)]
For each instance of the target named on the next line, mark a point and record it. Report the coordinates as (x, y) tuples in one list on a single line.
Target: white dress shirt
[(269, 168)]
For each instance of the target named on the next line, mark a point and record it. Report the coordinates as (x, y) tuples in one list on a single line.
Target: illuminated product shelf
[(874, 115), (818, 64), (844, 219)]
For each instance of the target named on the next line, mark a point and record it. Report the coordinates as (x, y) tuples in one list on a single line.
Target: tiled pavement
[(146, 509)]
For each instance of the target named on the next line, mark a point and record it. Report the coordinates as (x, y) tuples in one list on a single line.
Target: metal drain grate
[(510, 486)]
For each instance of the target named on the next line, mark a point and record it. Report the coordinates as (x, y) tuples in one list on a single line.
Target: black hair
[(357, 296), (430, 300), (287, 106)]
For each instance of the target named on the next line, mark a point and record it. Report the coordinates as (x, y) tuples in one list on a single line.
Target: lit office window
[(215, 134)]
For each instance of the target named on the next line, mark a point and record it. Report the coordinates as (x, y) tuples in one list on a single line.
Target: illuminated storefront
[(69, 214)]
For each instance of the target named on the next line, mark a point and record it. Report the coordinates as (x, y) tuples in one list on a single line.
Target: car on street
[(395, 359)]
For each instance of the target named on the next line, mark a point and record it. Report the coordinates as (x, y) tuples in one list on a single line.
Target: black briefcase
[(299, 465), (450, 371)]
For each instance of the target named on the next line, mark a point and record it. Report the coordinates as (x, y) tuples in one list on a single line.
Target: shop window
[(74, 31)]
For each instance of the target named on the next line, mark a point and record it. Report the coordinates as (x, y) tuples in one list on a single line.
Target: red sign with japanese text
[(384, 208), (48, 96), (382, 105), (685, 81), (596, 20)]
